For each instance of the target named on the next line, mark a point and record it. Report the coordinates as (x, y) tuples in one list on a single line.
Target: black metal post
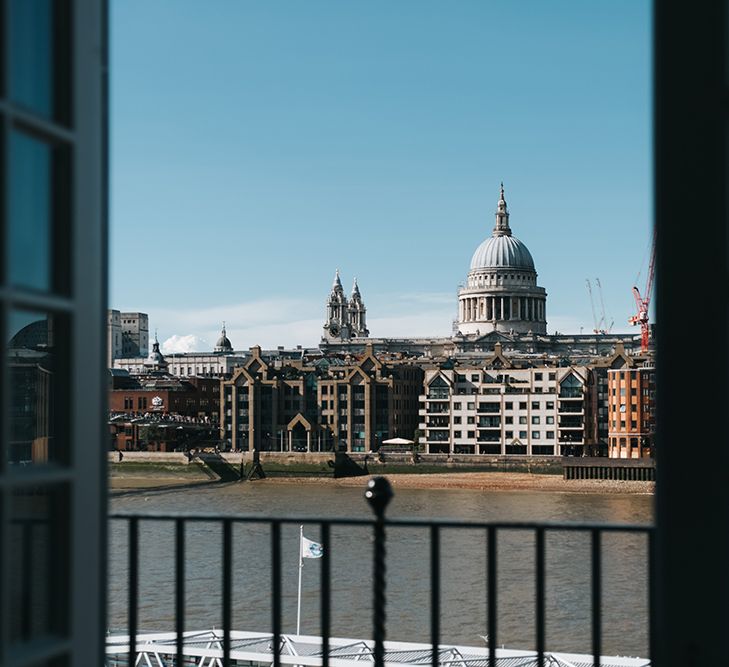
[(435, 595), (596, 596), (133, 605), (378, 495), (325, 595), (180, 588), (227, 588)]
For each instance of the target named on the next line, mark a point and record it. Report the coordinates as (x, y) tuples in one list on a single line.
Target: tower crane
[(592, 305), (607, 328), (643, 302), (601, 325)]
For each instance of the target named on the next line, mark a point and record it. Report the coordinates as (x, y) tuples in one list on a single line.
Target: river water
[(463, 571)]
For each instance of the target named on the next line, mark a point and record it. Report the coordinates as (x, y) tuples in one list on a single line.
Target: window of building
[(538, 377), (522, 420), (550, 419), (471, 434), (535, 405), (522, 405), (457, 405), (508, 420), (549, 405), (474, 377), (508, 405), (456, 420), (456, 434), (470, 420), (523, 435), (536, 435), (470, 406), (552, 377), (535, 419), (550, 435), (508, 434)]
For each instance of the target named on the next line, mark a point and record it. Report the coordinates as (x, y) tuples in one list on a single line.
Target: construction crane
[(601, 325), (643, 302), (592, 305), (606, 328)]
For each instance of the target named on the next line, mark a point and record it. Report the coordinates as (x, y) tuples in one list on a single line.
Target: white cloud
[(189, 343)]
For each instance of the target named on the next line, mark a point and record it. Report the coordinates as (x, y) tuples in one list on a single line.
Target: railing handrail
[(405, 523)]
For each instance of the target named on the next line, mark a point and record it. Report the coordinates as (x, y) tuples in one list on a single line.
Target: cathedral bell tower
[(337, 322), (357, 313), (345, 319)]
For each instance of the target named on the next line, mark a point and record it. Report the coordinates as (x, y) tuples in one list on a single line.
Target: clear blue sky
[(259, 145)]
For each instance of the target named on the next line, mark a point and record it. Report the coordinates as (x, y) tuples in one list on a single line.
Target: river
[(463, 572)]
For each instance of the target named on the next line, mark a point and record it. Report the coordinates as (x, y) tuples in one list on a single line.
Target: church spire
[(355, 288), (501, 228), (337, 284)]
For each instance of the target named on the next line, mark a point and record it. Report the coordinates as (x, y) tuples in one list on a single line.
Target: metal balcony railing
[(378, 495)]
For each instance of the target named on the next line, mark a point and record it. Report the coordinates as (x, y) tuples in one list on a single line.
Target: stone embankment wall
[(540, 464)]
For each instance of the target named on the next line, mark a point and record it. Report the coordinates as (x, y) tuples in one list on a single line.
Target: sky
[(259, 145)]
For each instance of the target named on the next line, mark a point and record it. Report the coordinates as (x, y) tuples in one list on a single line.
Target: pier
[(594, 467), (255, 649)]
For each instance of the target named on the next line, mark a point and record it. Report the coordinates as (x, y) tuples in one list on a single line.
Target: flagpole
[(301, 567)]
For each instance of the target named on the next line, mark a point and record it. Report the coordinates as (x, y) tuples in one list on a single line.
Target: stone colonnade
[(495, 308)]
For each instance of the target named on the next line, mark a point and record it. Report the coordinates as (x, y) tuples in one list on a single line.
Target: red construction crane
[(643, 302)]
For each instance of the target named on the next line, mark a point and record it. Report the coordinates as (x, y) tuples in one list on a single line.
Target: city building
[(113, 337), (162, 394), (135, 334), (127, 335), (219, 363), (319, 403), (499, 408), (631, 411)]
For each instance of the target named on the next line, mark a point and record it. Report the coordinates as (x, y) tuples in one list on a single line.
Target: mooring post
[(378, 495)]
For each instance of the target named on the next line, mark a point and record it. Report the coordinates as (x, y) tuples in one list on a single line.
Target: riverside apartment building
[(500, 410), (348, 404)]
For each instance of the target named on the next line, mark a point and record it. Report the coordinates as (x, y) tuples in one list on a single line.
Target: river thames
[(463, 570)]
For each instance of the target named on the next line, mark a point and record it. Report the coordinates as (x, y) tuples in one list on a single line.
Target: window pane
[(37, 363), (38, 562), (30, 212), (31, 55)]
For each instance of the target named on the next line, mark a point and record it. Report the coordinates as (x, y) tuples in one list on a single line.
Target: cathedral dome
[(502, 252), (223, 344)]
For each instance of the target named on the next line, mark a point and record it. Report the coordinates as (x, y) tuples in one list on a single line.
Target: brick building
[(631, 411), (325, 404)]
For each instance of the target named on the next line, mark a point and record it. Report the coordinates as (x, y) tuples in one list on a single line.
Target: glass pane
[(31, 55), (30, 213), (37, 367), (38, 535)]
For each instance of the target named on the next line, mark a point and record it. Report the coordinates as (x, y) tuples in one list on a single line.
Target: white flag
[(311, 549)]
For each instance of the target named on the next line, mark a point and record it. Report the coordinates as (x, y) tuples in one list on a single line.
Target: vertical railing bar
[(27, 583), (540, 583), (180, 588), (651, 595), (435, 594), (325, 594), (227, 587), (133, 588), (596, 597), (276, 590), (492, 604)]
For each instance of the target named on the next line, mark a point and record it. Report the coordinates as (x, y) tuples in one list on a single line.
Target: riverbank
[(145, 475)]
